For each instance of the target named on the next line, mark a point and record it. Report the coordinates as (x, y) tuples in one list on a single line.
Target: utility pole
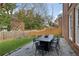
[(52, 11), (52, 7)]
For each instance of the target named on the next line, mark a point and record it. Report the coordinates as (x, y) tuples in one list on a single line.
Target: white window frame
[(70, 26)]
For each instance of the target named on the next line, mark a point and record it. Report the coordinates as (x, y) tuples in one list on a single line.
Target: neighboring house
[(58, 21), (17, 24), (70, 25)]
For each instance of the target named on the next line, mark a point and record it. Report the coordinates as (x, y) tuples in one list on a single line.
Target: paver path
[(28, 50)]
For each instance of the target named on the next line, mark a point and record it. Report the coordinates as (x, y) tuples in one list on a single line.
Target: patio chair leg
[(35, 52), (42, 53), (33, 46), (59, 46), (57, 51)]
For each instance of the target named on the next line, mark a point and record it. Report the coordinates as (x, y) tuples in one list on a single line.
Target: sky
[(57, 9)]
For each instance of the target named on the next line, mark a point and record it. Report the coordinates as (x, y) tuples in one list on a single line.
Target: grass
[(10, 45)]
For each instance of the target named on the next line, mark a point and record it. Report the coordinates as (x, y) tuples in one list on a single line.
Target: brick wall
[(65, 25), (65, 21)]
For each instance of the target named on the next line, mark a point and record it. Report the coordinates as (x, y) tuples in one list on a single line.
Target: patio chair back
[(55, 43), (39, 48), (34, 40)]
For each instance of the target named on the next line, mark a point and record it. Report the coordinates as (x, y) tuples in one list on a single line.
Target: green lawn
[(9, 45)]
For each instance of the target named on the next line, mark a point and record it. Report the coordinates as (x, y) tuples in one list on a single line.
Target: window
[(70, 26), (77, 25), (78, 18)]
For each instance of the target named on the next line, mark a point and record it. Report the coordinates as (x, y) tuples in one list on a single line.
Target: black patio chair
[(34, 41), (55, 45), (39, 48)]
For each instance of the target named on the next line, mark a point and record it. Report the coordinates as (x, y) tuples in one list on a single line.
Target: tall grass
[(9, 45)]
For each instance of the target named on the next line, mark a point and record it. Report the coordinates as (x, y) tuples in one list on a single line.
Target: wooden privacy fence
[(19, 34), (46, 31), (11, 34)]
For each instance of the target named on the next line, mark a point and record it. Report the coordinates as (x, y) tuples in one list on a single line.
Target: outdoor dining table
[(46, 41)]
